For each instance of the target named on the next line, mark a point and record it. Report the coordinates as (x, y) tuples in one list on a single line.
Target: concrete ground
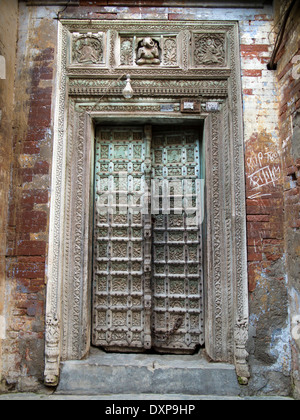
[(131, 397)]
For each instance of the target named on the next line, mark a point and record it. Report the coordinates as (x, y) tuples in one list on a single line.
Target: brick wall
[(289, 109), (29, 199), (8, 42), (30, 189), (269, 326)]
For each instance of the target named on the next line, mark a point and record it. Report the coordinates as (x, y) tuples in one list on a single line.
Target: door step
[(103, 374)]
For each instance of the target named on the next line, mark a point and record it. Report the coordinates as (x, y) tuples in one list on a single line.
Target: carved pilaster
[(52, 350), (148, 241)]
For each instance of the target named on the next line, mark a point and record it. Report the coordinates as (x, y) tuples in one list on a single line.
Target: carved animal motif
[(148, 52)]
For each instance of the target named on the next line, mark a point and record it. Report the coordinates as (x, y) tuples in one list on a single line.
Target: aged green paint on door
[(148, 263)]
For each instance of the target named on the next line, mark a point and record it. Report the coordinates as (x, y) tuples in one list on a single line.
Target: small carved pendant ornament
[(148, 52)]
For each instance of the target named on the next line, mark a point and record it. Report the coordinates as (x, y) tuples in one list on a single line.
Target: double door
[(147, 253)]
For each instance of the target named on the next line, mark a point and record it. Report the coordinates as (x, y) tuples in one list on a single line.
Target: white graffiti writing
[(264, 169), (264, 176)]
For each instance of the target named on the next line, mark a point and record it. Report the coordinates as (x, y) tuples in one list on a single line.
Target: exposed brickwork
[(289, 121), (29, 205), (8, 42)]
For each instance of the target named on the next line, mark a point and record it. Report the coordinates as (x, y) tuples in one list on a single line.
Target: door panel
[(148, 285), (177, 319), (120, 284)]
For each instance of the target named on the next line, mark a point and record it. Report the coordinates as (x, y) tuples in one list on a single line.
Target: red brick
[(25, 174), (258, 225), (45, 55), (27, 270), (31, 148), (253, 50), (35, 197), (274, 257), (258, 218), (284, 72), (255, 256), (292, 192), (252, 73), (41, 168), (31, 248), (32, 221), (30, 286)]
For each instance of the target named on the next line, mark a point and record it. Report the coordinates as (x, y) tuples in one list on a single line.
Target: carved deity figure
[(88, 50), (213, 53), (209, 49), (148, 52)]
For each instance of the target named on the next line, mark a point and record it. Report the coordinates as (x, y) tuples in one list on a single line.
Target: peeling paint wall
[(30, 193), (8, 43), (288, 76), (27, 230)]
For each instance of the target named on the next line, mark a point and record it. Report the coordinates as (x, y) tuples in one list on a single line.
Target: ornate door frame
[(196, 60)]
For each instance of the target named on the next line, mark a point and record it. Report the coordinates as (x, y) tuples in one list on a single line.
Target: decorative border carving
[(160, 88), (78, 92)]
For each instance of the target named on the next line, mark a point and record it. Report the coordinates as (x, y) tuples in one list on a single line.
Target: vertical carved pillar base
[(52, 351), (241, 354)]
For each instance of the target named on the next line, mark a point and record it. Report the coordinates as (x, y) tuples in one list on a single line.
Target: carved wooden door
[(177, 282), (122, 294), (147, 275)]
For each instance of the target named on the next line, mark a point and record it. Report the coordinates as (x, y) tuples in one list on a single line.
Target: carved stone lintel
[(52, 351), (241, 354)]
